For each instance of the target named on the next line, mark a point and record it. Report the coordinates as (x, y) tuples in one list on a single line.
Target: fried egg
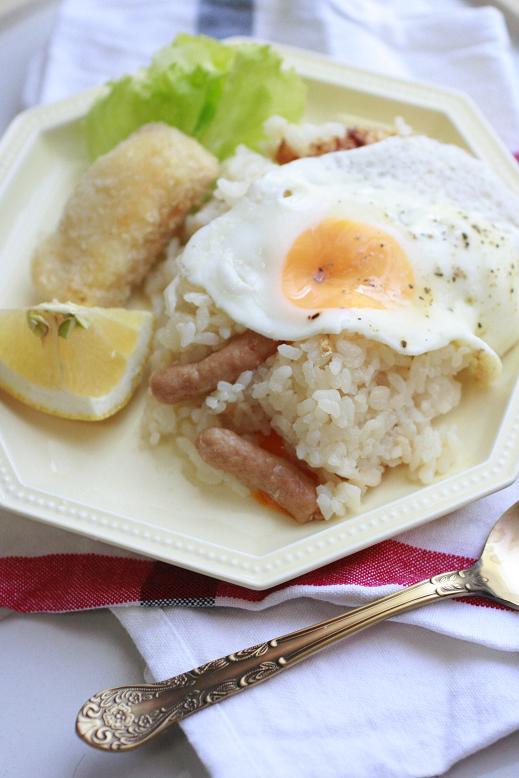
[(409, 242)]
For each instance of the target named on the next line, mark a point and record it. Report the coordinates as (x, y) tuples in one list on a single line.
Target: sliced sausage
[(183, 382), (258, 469)]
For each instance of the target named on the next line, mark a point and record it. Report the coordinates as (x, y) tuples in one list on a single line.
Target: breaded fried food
[(122, 213)]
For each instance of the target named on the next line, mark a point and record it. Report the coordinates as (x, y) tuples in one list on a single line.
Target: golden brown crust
[(184, 382), (283, 481), (122, 213)]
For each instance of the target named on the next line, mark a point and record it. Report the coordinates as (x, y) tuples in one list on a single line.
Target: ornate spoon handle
[(125, 717)]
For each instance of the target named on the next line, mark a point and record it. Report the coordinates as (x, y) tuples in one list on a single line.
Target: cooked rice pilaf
[(347, 406)]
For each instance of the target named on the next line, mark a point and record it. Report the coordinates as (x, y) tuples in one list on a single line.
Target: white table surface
[(51, 664)]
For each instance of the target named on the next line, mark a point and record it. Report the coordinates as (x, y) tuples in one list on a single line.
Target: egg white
[(454, 219)]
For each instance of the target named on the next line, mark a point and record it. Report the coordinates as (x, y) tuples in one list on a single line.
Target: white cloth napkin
[(395, 702), (404, 699), (407, 698), (449, 43)]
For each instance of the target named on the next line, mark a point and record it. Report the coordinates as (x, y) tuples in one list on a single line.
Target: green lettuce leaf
[(220, 94)]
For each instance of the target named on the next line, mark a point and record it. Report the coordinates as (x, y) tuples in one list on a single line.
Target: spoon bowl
[(499, 561)]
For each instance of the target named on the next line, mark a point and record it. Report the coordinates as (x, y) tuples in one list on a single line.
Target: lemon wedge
[(73, 361)]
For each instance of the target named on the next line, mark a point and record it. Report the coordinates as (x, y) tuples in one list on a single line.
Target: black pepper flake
[(458, 273), (438, 273), (411, 286), (427, 290), (466, 240), (403, 343), (421, 298), (314, 316), (480, 326)]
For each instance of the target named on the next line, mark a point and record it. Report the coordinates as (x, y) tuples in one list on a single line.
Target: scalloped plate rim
[(335, 540)]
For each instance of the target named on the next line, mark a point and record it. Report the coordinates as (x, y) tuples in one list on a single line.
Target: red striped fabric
[(389, 562), (70, 582)]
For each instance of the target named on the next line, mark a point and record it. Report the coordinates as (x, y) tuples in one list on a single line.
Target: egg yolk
[(346, 264)]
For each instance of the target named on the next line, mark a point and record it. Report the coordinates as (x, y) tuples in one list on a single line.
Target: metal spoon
[(125, 717)]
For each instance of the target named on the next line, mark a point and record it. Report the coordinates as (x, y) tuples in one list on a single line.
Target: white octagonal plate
[(101, 481)]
